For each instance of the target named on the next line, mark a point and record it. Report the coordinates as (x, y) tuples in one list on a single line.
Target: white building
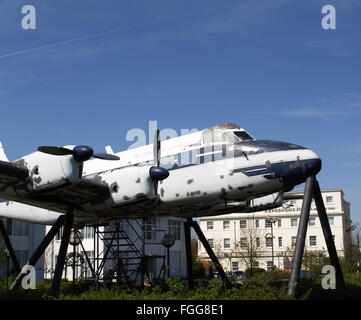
[(129, 245), (25, 238), (233, 236)]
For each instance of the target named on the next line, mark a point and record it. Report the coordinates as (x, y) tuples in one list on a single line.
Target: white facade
[(25, 238), (154, 230), (230, 235)]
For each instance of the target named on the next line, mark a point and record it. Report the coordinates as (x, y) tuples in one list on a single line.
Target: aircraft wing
[(75, 194), (71, 194), (11, 174)]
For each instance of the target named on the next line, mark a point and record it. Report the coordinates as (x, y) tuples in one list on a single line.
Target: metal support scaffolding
[(312, 188), (121, 259)]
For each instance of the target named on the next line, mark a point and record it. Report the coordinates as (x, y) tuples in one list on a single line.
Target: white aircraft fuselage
[(214, 171)]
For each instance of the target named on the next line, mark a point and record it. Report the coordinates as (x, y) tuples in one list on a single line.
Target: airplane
[(218, 170)]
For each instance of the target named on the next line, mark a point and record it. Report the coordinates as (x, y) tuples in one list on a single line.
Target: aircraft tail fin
[(3, 156)]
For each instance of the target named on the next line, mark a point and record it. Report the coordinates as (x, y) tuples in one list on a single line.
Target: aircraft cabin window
[(207, 137), (213, 136), (218, 136)]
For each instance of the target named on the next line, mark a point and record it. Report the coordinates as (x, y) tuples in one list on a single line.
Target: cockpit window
[(243, 135)]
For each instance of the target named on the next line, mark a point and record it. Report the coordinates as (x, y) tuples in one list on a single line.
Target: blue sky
[(93, 70)]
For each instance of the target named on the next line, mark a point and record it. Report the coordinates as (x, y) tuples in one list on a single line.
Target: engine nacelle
[(268, 202), (128, 185), (48, 171)]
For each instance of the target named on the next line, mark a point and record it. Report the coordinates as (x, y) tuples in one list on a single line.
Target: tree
[(314, 260), (250, 245), (199, 271)]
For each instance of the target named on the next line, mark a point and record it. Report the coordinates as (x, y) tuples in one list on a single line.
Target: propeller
[(80, 154), (156, 172)]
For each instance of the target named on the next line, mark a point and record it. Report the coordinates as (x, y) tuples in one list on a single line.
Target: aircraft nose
[(314, 164), (296, 172)]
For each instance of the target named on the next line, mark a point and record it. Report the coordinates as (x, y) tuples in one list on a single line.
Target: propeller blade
[(105, 156), (156, 148), (56, 151)]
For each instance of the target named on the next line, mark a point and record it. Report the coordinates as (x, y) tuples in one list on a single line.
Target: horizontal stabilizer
[(3, 156)]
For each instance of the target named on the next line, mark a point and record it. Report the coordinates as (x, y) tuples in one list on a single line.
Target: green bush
[(252, 272), (262, 285)]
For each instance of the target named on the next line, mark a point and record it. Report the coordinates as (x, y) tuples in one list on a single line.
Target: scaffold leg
[(301, 236), (210, 252), (9, 247), (40, 249), (62, 253), (326, 229), (312, 188), (188, 245)]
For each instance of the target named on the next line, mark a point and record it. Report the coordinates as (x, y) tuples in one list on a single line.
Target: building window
[(258, 242), (312, 222), (243, 243), (174, 228), (235, 266), (209, 225), (59, 234), (293, 243), (149, 229), (279, 224), (268, 223), (331, 220), (243, 224), (269, 242), (294, 222), (226, 243), (256, 264), (226, 225), (88, 232), (210, 242), (329, 199), (257, 223), (280, 241), (85, 268), (313, 241)]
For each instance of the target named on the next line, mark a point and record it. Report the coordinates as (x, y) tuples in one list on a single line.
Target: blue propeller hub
[(158, 173), (82, 153)]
